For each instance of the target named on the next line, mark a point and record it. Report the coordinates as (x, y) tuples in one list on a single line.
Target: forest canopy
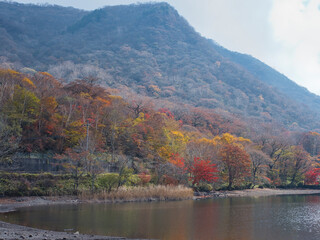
[(82, 125)]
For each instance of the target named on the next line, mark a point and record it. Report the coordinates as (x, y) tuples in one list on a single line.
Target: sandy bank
[(270, 192), (258, 193)]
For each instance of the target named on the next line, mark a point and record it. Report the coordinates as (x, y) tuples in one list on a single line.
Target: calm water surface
[(275, 218)]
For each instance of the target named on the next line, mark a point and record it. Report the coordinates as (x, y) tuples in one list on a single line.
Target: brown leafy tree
[(9, 140), (75, 163), (299, 164), (236, 163), (259, 161)]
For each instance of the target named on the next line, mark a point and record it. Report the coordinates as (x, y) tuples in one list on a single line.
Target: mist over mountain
[(153, 51)]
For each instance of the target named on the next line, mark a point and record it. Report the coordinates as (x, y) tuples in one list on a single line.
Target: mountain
[(153, 51), (271, 77)]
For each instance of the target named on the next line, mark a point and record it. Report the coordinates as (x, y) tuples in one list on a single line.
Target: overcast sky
[(285, 34)]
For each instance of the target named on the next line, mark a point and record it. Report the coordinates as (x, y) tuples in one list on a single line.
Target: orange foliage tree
[(236, 163)]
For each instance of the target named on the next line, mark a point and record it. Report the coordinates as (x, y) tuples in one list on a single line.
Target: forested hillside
[(152, 51), (84, 127)]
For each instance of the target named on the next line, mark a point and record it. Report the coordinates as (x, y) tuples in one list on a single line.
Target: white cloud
[(236, 25), (296, 30)]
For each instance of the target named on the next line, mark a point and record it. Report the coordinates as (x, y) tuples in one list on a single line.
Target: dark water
[(275, 218)]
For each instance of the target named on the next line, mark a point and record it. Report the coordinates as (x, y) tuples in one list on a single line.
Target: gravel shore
[(270, 192), (12, 231), (256, 193)]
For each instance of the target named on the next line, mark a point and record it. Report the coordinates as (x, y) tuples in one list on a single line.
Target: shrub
[(37, 192), (204, 187), (46, 183), (168, 180), (27, 184), (108, 181), (133, 180), (144, 178), (124, 176)]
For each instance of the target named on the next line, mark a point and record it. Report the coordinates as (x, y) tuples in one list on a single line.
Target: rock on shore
[(12, 232), (255, 193)]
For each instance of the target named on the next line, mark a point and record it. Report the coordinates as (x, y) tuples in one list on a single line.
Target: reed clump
[(140, 193)]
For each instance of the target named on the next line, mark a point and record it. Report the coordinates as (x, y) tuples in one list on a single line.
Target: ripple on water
[(300, 218)]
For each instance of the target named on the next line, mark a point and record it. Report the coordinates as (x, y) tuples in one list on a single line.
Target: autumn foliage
[(178, 161), (236, 162), (312, 176), (203, 171), (145, 178), (81, 124)]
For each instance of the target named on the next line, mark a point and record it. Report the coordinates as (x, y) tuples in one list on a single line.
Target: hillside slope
[(271, 77), (152, 50)]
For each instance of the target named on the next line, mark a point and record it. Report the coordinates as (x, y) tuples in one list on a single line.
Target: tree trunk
[(230, 179), (293, 179), (93, 177), (254, 173)]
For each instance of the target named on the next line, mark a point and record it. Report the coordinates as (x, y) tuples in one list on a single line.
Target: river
[(247, 218)]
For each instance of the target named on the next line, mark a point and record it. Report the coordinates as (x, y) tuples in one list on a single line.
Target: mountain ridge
[(153, 51)]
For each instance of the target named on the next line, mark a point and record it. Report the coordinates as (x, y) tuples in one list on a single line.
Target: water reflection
[(283, 217)]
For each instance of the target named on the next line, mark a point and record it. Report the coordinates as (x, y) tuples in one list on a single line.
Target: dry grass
[(160, 193)]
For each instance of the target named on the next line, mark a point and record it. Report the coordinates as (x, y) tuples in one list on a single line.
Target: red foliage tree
[(202, 171), (312, 176)]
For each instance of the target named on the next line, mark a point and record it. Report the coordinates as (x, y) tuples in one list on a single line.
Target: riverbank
[(12, 231), (270, 192), (257, 192), (13, 203)]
